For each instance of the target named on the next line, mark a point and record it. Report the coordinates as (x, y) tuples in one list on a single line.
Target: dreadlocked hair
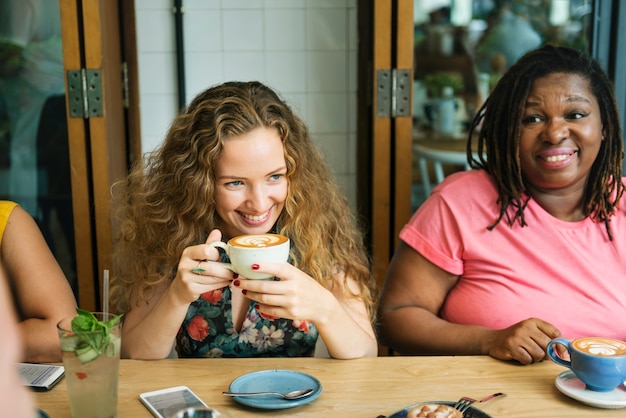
[(498, 139)]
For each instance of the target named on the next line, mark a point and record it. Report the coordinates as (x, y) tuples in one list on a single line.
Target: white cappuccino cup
[(246, 250)]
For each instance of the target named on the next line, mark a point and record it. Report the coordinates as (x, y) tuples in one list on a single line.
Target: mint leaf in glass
[(92, 336)]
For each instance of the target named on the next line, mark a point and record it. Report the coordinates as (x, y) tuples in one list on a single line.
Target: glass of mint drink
[(91, 355)]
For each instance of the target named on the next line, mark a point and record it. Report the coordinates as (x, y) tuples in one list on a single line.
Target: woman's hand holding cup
[(246, 250)]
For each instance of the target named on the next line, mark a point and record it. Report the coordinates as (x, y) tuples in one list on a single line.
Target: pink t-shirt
[(566, 273)]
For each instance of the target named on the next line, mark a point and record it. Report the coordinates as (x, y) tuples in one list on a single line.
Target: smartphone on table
[(40, 377), (164, 403)]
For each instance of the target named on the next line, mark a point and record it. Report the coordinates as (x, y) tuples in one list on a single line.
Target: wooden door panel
[(381, 146), (403, 132), (107, 136), (389, 149), (391, 136), (77, 137), (98, 151)]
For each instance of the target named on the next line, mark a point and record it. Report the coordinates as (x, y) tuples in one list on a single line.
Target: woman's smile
[(556, 159), (255, 218)]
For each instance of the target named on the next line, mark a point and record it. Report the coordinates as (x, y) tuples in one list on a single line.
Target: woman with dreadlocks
[(531, 244)]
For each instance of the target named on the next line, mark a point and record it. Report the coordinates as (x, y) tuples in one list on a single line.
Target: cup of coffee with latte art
[(599, 362), (245, 250)]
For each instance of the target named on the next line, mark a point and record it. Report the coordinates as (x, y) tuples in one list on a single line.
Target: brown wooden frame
[(384, 150), (98, 145), (385, 143)]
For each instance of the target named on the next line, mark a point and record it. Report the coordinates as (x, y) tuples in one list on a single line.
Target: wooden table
[(353, 388)]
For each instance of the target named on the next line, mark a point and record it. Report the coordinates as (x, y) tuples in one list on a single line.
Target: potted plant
[(435, 83)]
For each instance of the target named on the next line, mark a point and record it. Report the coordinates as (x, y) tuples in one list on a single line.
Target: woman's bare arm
[(415, 290), (41, 291), (14, 396)]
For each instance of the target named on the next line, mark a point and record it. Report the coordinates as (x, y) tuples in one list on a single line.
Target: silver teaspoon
[(296, 394)]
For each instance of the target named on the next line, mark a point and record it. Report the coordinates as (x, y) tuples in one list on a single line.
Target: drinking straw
[(105, 293)]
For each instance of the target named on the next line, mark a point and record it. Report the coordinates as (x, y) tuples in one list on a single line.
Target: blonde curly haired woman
[(239, 161)]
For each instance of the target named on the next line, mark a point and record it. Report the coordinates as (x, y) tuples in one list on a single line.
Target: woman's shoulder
[(468, 193), (467, 183)]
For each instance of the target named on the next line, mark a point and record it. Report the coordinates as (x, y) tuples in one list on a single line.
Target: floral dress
[(208, 331)]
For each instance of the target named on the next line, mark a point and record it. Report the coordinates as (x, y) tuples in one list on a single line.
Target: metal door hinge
[(393, 88), (85, 93)]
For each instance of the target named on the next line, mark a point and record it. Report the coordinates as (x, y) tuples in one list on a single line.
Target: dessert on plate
[(434, 411)]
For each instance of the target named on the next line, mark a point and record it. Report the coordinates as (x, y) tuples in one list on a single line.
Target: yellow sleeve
[(6, 207)]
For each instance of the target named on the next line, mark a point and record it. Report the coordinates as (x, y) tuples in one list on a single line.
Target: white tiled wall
[(305, 49)]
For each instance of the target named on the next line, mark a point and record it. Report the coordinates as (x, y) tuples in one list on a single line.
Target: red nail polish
[(244, 292), (256, 306), (236, 282), (255, 267), (235, 275)]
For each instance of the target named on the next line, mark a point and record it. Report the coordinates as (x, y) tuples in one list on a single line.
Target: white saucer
[(570, 385)]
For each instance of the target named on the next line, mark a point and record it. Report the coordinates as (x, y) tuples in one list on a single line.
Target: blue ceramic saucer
[(275, 381)]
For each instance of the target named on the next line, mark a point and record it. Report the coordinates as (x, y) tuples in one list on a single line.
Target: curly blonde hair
[(168, 203)]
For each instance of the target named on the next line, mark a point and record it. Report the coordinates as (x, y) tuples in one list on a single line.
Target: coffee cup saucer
[(570, 385)]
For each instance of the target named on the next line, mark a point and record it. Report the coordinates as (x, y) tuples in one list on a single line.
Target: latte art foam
[(600, 346), (258, 241)]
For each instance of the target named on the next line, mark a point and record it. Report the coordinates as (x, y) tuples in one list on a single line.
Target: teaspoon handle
[(249, 393)]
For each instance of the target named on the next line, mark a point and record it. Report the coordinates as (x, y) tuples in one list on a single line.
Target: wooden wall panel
[(403, 132), (381, 147), (79, 156), (98, 150)]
